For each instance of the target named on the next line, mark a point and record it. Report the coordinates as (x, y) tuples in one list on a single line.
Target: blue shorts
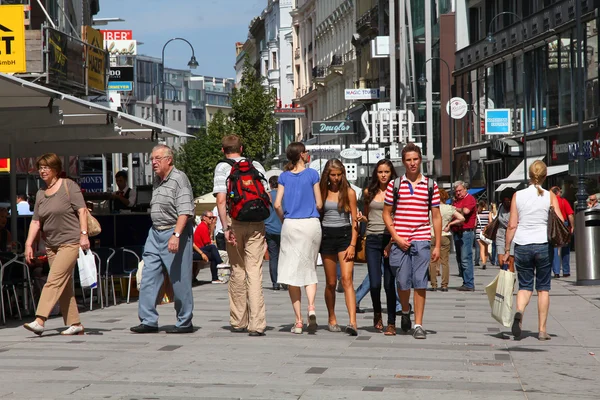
[(534, 261), (411, 266)]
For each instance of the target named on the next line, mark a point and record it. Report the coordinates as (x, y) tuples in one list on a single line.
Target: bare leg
[(295, 297), (419, 299), (347, 267), (311, 294), (404, 296), (543, 306), (330, 264), (483, 251), (523, 297)]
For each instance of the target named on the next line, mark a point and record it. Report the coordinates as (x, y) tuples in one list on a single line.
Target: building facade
[(526, 72)]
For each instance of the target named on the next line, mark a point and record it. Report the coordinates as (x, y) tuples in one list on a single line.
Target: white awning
[(517, 176), (552, 170), (69, 147)]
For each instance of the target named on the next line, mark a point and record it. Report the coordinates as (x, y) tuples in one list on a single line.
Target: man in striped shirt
[(169, 243), (410, 249)]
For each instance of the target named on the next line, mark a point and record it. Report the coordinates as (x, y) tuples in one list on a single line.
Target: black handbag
[(558, 234), (491, 230)]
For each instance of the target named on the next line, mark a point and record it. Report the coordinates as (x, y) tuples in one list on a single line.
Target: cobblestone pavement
[(465, 356)]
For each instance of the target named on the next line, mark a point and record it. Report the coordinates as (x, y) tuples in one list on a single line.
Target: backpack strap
[(227, 161), (430, 189), (396, 195)]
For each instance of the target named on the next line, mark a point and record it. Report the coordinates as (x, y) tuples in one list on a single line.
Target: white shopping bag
[(87, 269), (500, 295), (138, 275)]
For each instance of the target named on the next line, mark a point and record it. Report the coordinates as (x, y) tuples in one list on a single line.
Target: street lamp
[(175, 99), (193, 64), (423, 82), (526, 118), (580, 87)]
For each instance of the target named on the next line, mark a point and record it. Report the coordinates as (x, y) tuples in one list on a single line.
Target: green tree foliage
[(253, 118), (198, 157)]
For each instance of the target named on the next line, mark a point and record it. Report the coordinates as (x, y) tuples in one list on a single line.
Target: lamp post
[(174, 100), (580, 87), (193, 64), (423, 82), (526, 118)]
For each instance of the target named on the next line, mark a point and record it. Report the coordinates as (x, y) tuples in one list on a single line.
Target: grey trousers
[(179, 267)]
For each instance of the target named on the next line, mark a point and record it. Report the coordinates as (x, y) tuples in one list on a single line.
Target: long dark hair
[(293, 153), (343, 194), (373, 187)]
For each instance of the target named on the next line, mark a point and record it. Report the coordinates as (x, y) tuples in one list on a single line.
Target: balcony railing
[(336, 60), (366, 84), (319, 72), (349, 56), (297, 53), (368, 21)]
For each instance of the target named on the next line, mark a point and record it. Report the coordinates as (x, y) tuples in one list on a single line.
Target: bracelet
[(352, 246)]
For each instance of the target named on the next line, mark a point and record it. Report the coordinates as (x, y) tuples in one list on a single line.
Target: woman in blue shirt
[(298, 204)]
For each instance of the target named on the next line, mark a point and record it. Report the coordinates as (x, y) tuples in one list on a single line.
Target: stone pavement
[(464, 356)]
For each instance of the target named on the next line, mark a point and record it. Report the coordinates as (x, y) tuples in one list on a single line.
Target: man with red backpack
[(243, 205)]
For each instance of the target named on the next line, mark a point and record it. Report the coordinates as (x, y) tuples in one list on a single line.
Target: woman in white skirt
[(298, 204)]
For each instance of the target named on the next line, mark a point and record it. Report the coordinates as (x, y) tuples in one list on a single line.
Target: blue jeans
[(494, 255), (178, 266), (214, 258), (477, 253), (564, 260), (534, 261), (464, 256), (273, 244)]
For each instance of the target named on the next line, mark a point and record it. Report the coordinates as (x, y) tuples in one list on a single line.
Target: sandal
[(297, 328), (543, 336), (312, 321), (351, 330), (378, 322), (334, 328), (390, 330)]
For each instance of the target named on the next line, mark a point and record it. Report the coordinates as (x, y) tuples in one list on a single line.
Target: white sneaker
[(73, 330), (34, 327)]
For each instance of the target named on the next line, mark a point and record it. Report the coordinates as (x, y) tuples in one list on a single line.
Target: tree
[(253, 118), (198, 157)]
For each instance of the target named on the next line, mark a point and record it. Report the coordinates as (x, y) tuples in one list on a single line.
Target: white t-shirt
[(533, 210)]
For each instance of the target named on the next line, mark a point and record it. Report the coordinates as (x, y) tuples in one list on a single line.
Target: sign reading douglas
[(333, 128)]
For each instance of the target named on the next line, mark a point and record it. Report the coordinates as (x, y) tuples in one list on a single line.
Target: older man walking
[(464, 235), (169, 244)]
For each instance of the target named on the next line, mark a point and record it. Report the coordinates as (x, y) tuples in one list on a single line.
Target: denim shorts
[(412, 265), (534, 261), (335, 240)]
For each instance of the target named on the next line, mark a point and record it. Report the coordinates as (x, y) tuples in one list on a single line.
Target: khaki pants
[(59, 286), (246, 301), (444, 261)]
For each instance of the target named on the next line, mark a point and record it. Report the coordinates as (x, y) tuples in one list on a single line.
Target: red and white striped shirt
[(411, 220)]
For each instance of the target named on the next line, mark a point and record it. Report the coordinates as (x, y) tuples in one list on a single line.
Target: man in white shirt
[(23, 207), (593, 202), (125, 197), (219, 234)]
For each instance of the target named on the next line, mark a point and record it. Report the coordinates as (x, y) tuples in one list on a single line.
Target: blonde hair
[(537, 175)]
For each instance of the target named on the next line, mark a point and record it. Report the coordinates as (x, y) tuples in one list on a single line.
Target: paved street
[(464, 356)]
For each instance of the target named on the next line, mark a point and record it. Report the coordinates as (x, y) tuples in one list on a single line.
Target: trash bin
[(587, 247)]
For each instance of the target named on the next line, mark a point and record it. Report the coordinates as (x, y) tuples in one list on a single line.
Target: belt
[(467, 230), (163, 227)]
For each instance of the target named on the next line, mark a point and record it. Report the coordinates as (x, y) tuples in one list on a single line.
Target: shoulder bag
[(558, 234), (93, 226), (482, 237), (491, 230), (361, 249)]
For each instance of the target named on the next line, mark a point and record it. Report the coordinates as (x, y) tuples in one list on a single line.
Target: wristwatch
[(84, 232), (176, 234)]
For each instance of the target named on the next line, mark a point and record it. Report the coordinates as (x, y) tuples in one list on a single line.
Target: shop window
[(566, 79), (591, 71), (552, 81)]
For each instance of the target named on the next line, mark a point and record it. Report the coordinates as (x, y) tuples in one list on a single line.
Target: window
[(175, 115), (143, 112), (274, 59), (179, 115), (266, 66), (591, 74)]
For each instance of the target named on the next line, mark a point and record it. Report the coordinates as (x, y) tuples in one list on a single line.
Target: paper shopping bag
[(87, 269), (500, 296)]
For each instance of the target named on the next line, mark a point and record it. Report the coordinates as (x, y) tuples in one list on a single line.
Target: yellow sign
[(96, 60), (12, 39)]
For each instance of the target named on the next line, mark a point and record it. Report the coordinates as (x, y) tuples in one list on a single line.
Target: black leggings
[(375, 246)]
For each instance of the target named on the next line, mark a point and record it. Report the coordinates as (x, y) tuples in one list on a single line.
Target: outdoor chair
[(105, 255), (14, 274), (123, 265)]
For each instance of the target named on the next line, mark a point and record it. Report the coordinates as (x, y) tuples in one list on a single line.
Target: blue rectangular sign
[(120, 86), (497, 121), (91, 183)]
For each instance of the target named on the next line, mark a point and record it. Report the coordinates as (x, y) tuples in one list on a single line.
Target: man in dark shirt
[(464, 235), (204, 249)]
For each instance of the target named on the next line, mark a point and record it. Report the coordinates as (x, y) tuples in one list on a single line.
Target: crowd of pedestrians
[(408, 226)]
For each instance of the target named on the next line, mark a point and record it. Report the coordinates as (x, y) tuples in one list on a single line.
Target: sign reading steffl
[(333, 128), (498, 121), (12, 39), (388, 126), (361, 94)]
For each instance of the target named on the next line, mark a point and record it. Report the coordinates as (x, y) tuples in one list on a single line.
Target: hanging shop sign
[(121, 74), (388, 126), (333, 127), (120, 86), (457, 107), (497, 121), (12, 39), (121, 47), (96, 58), (351, 153), (361, 94), (297, 112), (114, 34)]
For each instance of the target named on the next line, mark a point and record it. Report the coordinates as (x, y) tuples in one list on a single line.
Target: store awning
[(516, 177), (80, 147)]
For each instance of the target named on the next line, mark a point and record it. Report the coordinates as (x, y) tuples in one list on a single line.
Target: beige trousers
[(59, 286), (246, 301), (443, 260)]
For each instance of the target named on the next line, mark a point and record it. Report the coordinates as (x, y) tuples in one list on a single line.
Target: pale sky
[(212, 26)]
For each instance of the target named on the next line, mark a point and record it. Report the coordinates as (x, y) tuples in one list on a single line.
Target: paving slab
[(467, 355)]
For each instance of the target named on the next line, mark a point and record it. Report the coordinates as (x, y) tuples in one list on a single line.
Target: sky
[(211, 26)]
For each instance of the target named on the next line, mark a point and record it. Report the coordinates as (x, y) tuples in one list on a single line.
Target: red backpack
[(247, 199)]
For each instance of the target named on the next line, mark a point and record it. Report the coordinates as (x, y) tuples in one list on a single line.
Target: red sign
[(4, 164), (117, 34)]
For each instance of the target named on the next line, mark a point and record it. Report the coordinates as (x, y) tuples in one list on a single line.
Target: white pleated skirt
[(300, 242)]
